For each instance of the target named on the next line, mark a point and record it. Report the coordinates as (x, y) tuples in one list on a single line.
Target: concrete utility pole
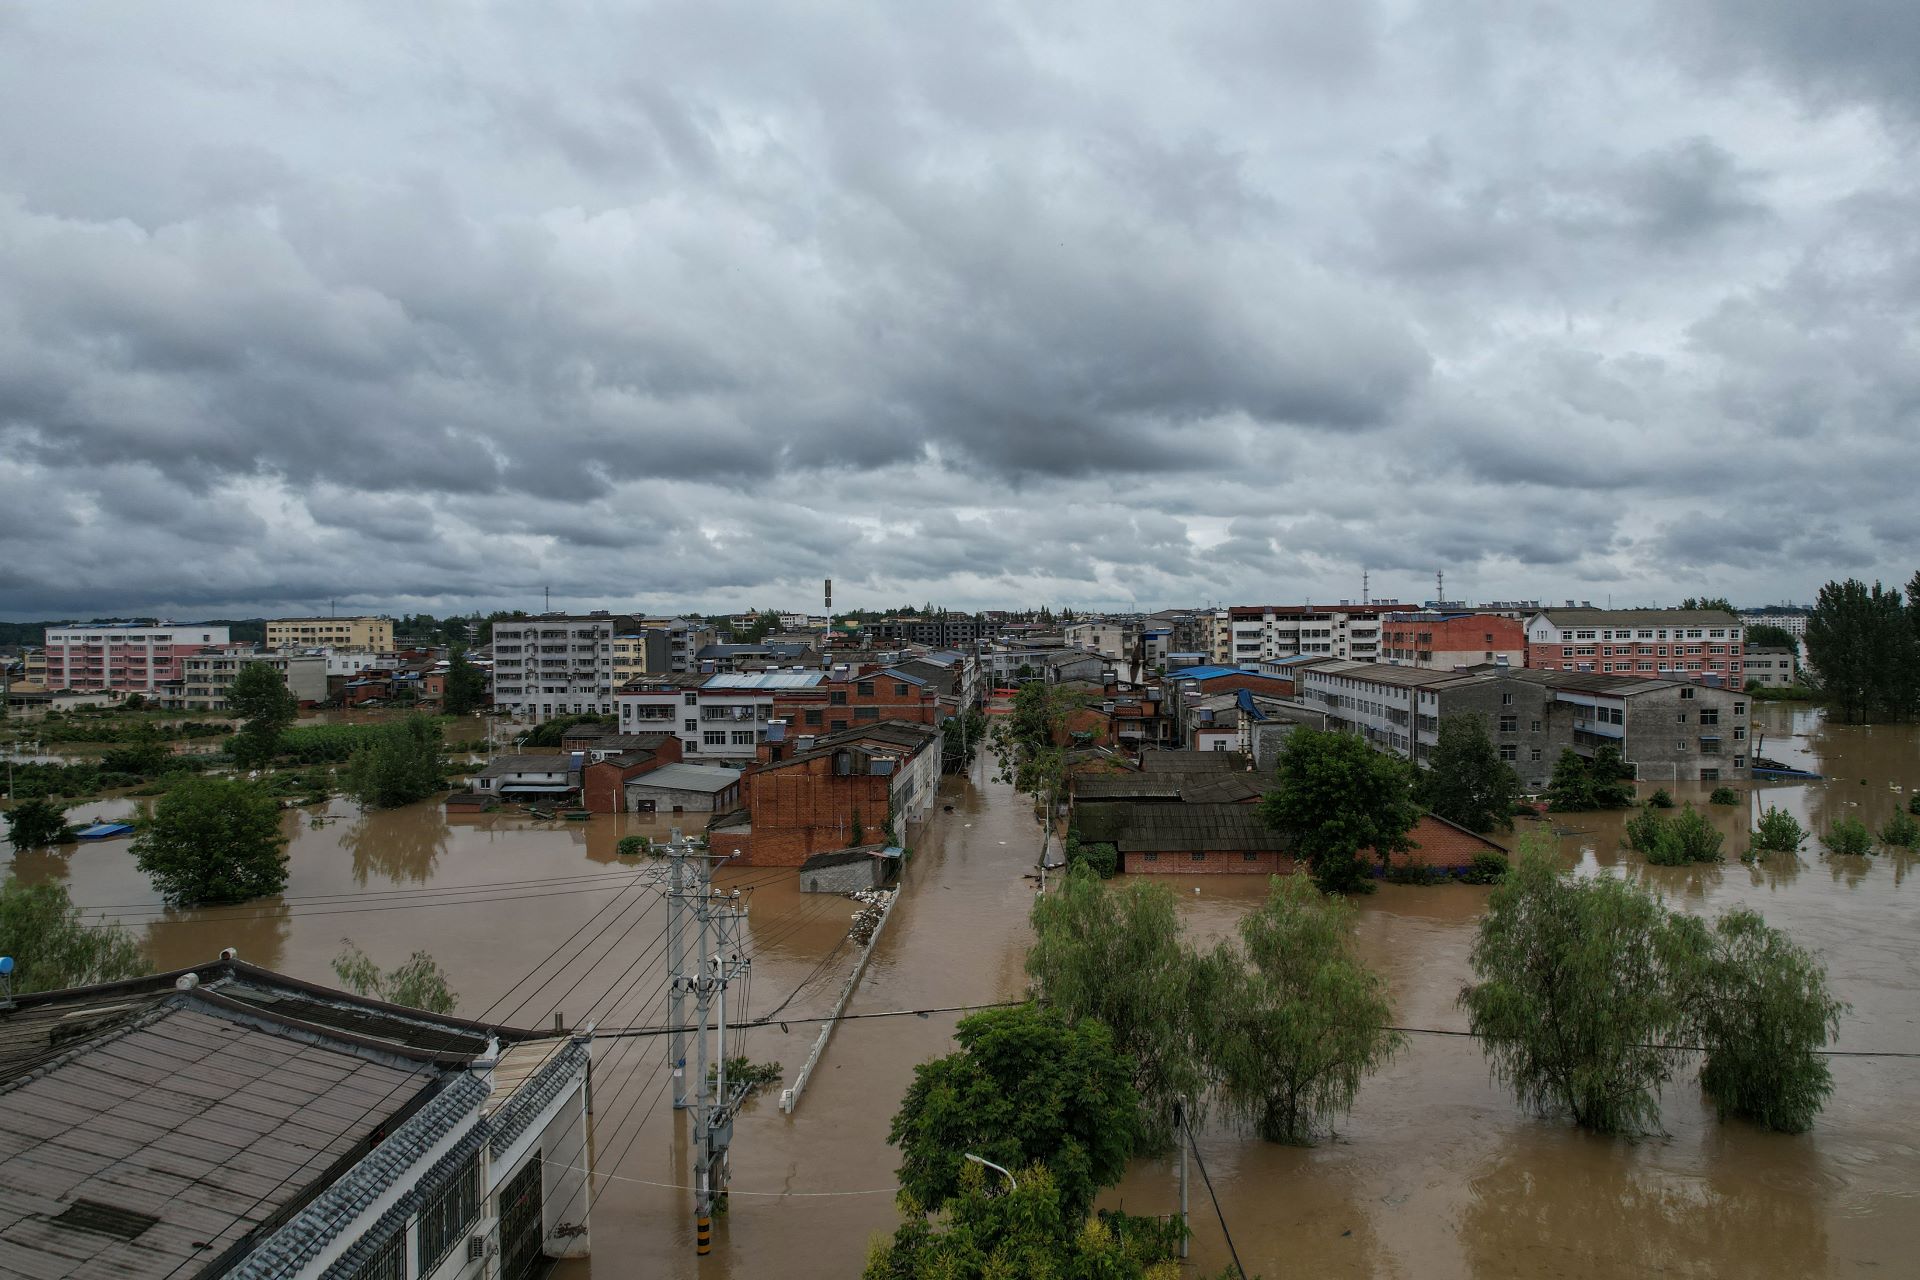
[(718, 961), (1180, 1119)]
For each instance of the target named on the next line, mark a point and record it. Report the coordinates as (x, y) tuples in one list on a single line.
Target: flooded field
[(1436, 1173)]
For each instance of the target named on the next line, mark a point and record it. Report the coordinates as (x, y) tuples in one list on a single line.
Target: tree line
[(1864, 646)]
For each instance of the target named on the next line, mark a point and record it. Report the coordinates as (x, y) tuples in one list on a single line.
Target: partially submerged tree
[(1116, 954), (213, 840), (1030, 740), (1337, 796), (1294, 1032), (267, 708), (1579, 784), (1763, 1012), (466, 686), (37, 824), (418, 982), (1026, 1086), (1684, 838), (1465, 780), (401, 765), (1578, 1001), (1849, 837), (1778, 832), (53, 947)]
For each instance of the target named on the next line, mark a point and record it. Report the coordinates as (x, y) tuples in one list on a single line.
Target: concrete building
[(1109, 637), (128, 657), (819, 795), (848, 871), (365, 633), (208, 675), (720, 719), (647, 652), (1699, 645), (684, 788), (1349, 631), (530, 777), (1667, 730), (555, 665), (1772, 668), (1442, 641), (937, 631), (1791, 621), (227, 1121)]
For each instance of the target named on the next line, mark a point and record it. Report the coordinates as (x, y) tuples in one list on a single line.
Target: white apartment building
[(1259, 632), (556, 665), (208, 675), (131, 657), (719, 718), (1794, 624)]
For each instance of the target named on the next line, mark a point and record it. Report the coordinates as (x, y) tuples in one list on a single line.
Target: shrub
[(1913, 804), (1413, 873), (1487, 867), (632, 846), (1676, 841), (1901, 831), (1724, 795), (1778, 832), (1849, 836), (1661, 799)]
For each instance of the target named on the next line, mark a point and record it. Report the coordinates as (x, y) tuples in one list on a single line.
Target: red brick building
[(614, 760), (1705, 646), (1444, 641), (833, 795)]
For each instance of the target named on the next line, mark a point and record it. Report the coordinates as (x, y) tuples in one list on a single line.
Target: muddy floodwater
[(1435, 1173)]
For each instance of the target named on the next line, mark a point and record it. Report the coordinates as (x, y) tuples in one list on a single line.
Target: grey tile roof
[(1154, 827), (527, 1103)]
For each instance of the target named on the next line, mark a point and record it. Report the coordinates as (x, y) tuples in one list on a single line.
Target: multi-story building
[(1699, 645), (1108, 637), (129, 657), (1350, 631), (938, 631), (816, 795), (646, 652), (365, 633), (726, 718), (1443, 641), (554, 665), (1667, 730), (1791, 621), (1772, 668), (208, 675)]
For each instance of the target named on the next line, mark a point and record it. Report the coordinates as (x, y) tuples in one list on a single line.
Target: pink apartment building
[(1701, 645), (127, 656)]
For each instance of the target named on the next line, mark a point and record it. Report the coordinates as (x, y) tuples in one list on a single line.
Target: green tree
[(1026, 1086), (1570, 789), (1465, 780), (399, 766), (466, 686), (417, 983), (37, 824), (1115, 954), (960, 738), (1862, 642), (1778, 832), (52, 947), (1337, 796), (1671, 842), (1767, 636), (1612, 779), (267, 709), (1900, 831), (1763, 1012), (1030, 739), (1301, 1022), (991, 1230), (1850, 837), (213, 840), (1580, 992), (1707, 602)]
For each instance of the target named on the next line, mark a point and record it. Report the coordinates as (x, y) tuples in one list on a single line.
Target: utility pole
[(718, 961), (1180, 1119)]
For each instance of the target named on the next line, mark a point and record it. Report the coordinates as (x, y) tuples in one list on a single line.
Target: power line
[(1208, 1179)]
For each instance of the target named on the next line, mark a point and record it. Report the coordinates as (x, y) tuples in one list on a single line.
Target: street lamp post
[(1011, 1184)]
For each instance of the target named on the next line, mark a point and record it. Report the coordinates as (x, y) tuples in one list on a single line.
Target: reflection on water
[(257, 930), (398, 845)]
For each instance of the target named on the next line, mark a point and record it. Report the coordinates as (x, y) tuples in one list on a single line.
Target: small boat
[(1763, 767), (538, 812), (104, 831), (576, 815)]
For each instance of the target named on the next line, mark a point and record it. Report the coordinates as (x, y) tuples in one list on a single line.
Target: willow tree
[(1115, 955), (1581, 1002), (1763, 1012), (1299, 1021)]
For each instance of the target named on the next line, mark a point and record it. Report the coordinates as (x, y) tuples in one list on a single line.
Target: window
[(1508, 751), (389, 1260), (691, 725), (714, 738), (835, 726), (1506, 699), (1709, 775), (1683, 718), (1153, 857), (1686, 694), (900, 690), (1536, 726), (693, 699), (743, 737), (1739, 733), (1709, 715), (1739, 708), (1199, 857), (1509, 724), (1249, 857), (837, 698), (1534, 755), (864, 688), (1709, 746), (813, 717), (1739, 762), (866, 713), (445, 1215)]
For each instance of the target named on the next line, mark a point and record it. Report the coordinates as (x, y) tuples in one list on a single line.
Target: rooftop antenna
[(1365, 579), (1439, 586)]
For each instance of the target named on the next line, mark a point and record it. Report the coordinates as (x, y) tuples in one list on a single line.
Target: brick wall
[(1183, 863), (803, 809)]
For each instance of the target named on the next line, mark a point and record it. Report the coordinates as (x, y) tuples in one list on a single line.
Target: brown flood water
[(1435, 1173)]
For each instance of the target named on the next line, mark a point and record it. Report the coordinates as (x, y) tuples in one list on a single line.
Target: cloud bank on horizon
[(431, 307)]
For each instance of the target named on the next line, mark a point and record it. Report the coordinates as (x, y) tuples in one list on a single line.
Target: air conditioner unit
[(485, 1240)]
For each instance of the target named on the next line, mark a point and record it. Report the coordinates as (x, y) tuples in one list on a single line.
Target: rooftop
[(1157, 827), (501, 765), (766, 680), (688, 777), (1640, 618)]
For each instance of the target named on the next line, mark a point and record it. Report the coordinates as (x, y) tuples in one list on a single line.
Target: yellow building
[(334, 633)]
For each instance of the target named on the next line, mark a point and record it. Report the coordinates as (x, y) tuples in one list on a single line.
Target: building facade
[(1443, 641), (555, 665), (207, 676), (1771, 668), (128, 657), (1699, 645), (365, 633), (1349, 631), (646, 652)]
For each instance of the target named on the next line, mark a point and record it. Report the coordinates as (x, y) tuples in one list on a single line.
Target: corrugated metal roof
[(688, 777), (1155, 827), (766, 680)]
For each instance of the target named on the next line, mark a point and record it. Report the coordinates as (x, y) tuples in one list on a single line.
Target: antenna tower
[(1440, 586)]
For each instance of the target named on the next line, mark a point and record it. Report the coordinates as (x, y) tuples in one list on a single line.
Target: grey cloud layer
[(698, 304)]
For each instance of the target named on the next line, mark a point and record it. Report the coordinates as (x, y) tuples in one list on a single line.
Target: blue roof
[(1204, 673)]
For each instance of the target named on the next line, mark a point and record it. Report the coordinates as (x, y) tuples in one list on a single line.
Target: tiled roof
[(1155, 827)]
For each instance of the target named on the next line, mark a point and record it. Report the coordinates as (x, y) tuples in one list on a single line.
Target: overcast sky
[(430, 306)]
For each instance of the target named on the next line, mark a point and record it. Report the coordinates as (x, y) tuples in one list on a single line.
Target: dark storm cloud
[(972, 303)]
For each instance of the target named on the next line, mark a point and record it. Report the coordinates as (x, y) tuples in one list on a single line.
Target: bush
[(1487, 867), (1676, 841), (1913, 804), (1102, 859), (1901, 832), (632, 846), (399, 765), (1724, 795), (1778, 832), (1413, 873), (1849, 836), (1661, 799)]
